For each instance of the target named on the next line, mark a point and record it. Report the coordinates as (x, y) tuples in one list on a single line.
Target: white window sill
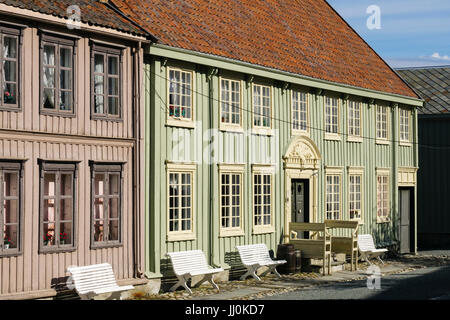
[(182, 123), (383, 220), (354, 139), (262, 131), (231, 128), (333, 136), (405, 144), (382, 141), (263, 230), (231, 233), (300, 133), (181, 236)]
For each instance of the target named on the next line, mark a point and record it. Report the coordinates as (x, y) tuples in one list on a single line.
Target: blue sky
[(413, 32)]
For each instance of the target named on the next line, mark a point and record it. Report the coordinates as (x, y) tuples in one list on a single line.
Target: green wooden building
[(261, 114)]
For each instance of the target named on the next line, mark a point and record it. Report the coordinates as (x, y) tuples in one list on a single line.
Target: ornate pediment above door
[(302, 153)]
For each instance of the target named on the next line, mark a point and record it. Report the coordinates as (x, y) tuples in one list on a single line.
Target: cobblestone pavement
[(251, 289)]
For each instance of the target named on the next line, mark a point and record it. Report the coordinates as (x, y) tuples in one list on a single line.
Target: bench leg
[(115, 296), (251, 271), (379, 258), (209, 278), (272, 269), (182, 282)]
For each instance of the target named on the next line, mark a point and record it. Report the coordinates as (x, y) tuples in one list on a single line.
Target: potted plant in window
[(47, 239), (6, 242), (62, 238), (8, 97)]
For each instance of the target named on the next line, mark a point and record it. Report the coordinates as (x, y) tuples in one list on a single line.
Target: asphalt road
[(423, 284)]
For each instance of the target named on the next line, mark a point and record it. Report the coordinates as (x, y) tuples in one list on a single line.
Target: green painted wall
[(178, 144)]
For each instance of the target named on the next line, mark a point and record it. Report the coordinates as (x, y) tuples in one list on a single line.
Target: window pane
[(49, 99), (113, 105), (66, 209), (10, 211), (11, 184), (49, 55), (65, 79), (9, 47), (98, 84), (65, 100), (99, 208), (49, 184), (49, 210), (99, 184), (114, 183), (49, 234), (11, 236), (113, 230), (65, 233), (113, 65), (10, 93), (65, 57), (113, 86), (9, 71), (49, 77), (114, 208), (98, 231), (99, 104), (98, 63)]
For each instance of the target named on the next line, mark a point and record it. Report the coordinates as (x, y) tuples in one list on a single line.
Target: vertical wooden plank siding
[(163, 144), (28, 135)]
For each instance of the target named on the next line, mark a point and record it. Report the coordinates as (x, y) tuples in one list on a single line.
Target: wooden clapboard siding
[(32, 271), (28, 135)]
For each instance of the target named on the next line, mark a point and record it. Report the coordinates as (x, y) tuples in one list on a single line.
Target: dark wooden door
[(406, 203)]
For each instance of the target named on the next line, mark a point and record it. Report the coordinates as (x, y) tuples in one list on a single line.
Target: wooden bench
[(367, 248), (312, 248), (254, 256), (187, 264), (347, 245), (90, 281)]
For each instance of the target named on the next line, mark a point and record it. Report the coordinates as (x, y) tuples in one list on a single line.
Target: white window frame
[(401, 126), (232, 169), (180, 121), (383, 172), (332, 135), (354, 171), (229, 126), (265, 170), (263, 130), (351, 120), (381, 139), (180, 168), (306, 103), (334, 171)]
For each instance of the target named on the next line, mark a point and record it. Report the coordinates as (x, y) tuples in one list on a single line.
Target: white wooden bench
[(367, 248), (187, 264), (90, 281), (254, 256)]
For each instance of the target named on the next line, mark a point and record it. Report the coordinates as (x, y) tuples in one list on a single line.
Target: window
[(299, 111), (355, 196), (106, 82), (333, 196), (57, 205), (383, 197), (9, 67), (180, 95), (180, 182), (262, 199), (404, 124), (332, 115), (57, 75), (10, 202), (230, 98), (382, 122), (231, 181), (354, 118), (262, 105), (106, 204)]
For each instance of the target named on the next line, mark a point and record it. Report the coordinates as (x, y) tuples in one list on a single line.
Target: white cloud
[(436, 55)]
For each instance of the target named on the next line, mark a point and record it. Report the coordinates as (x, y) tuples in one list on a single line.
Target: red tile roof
[(93, 12), (305, 37)]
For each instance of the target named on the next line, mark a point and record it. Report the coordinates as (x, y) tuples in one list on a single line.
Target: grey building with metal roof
[(433, 213)]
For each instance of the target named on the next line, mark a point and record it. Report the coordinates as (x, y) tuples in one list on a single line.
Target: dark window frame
[(58, 168), (106, 51), (18, 34), (59, 42), (12, 166), (107, 169)]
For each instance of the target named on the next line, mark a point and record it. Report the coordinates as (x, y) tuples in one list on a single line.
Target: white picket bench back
[(95, 279), (187, 264), (254, 256)]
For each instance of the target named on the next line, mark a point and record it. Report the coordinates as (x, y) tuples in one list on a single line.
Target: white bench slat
[(95, 279), (254, 256)]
